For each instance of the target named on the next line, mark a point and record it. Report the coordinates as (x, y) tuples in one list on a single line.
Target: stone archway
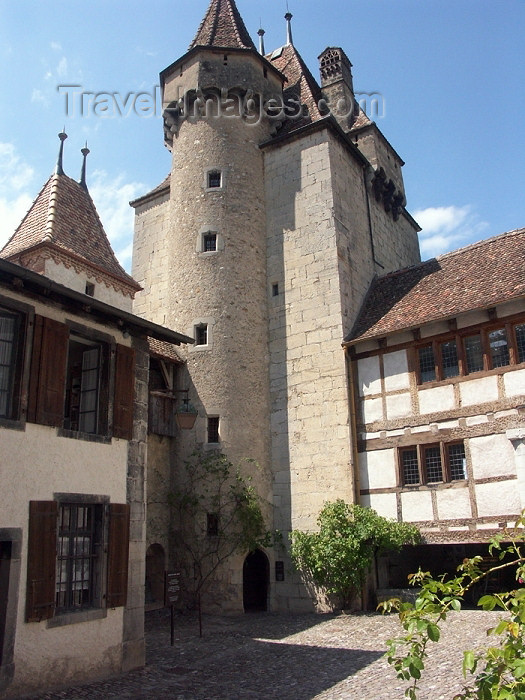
[(155, 566), (255, 581)]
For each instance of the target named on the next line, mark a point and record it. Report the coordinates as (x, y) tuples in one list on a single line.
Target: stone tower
[(261, 244)]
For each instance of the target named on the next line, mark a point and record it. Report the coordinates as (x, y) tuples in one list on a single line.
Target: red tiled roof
[(164, 350), (223, 27), (64, 215), (478, 276), (301, 85)]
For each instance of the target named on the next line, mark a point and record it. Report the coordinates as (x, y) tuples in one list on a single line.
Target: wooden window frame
[(113, 558), (459, 336), (17, 399), (50, 401), (421, 460)]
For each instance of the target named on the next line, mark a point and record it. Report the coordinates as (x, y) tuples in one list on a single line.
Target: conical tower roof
[(223, 27), (64, 219)]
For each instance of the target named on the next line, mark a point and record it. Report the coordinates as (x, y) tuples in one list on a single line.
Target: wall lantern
[(186, 415)]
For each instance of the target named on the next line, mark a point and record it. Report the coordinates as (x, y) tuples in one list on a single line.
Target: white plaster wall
[(514, 382), (453, 504), (77, 281), (498, 498), (492, 455), (36, 464), (398, 406), (372, 410), (416, 506), (396, 370), (369, 375), (377, 469), (439, 398), (476, 391), (383, 503)]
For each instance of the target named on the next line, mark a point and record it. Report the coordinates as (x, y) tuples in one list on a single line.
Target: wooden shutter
[(124, 391), (41, 560), (118, 555), (161, 419), (48, 372)]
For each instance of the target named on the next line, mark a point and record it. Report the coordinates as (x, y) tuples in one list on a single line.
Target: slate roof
[(64, 216), (478, 276), (223, 27), (163, 187)]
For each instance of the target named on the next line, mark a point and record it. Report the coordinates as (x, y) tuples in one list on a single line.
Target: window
[(90, 289), (11, 352), (69, 386), (520, 341), (431, 464), (201, 334), (486, 349), (275, 290), (214, 179), (209, 242), (212, 525), (213, 429), (85, 365), (77, 556), (79, 552)]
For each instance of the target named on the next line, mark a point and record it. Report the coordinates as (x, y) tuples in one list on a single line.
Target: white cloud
[(446, 228), (112, 197), (38, 96), (55, 46), (62, 67), (16, 190)]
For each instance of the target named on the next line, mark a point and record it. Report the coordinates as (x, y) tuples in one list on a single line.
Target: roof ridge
[(51, 208)]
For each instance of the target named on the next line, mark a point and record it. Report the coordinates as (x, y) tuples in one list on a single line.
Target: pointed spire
[(223, 27), (261, 34), (85, 153), (288, 17), (59, 169)]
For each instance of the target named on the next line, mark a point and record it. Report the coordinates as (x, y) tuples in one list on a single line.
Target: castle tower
[(207, 269), (262, 244)]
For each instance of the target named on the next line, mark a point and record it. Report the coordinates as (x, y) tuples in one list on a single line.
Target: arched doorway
[(255, 581), (155, 565)]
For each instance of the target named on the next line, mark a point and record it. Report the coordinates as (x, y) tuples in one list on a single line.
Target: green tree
[(217, 513), (499, 670), (338, 557)]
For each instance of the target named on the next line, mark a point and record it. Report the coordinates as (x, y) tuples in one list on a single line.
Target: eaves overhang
[(23, 280)]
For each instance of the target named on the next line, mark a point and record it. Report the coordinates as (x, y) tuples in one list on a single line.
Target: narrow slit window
[(201, 334), (520, 341), (213, 429)]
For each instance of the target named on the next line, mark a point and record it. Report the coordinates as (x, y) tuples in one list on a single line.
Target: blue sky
[(451, 74)]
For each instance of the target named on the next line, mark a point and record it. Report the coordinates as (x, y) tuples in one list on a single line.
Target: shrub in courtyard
[(338, 557)]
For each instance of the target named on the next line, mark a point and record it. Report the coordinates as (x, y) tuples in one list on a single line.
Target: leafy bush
[(338, 556), (499, 670)]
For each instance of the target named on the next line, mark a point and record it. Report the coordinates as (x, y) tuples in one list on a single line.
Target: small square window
[(214, 179), (209, 242), (213, 429), (201, 334)]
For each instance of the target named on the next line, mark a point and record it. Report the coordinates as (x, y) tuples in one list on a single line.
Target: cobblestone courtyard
[(302, 657)]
